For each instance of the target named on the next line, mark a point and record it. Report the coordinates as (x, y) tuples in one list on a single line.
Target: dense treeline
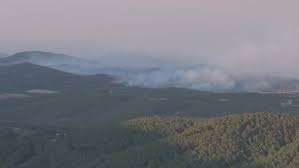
[(250, 140), (232, 141)]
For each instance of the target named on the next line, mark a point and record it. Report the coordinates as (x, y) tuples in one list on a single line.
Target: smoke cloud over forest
[(249, 37)]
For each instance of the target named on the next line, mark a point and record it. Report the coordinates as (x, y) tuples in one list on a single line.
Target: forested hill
[(27, 76), (250, 140), (262, 140)]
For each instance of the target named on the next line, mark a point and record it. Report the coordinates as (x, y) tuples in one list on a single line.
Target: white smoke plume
[(199, 77)]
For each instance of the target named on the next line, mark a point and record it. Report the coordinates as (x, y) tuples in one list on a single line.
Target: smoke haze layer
[(245, 37), (198, 76)]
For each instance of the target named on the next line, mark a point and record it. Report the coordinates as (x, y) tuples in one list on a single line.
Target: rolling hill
[(26, 76)]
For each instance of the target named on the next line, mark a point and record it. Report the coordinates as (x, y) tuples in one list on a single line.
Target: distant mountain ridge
[(155, 77), (57, 61), (199, 77)]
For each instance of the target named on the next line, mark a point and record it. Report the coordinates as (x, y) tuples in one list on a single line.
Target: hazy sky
[(241, 35)]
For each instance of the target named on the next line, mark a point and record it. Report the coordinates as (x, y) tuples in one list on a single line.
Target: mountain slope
[(27, 76)]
